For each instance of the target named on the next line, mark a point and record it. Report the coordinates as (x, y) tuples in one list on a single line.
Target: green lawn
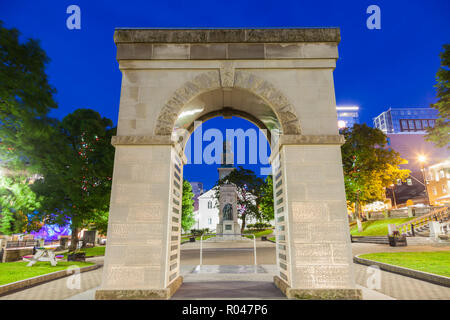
[(437, 262), (15, 271), (377, 227), (272, 238), (94, 251), (258, 234)]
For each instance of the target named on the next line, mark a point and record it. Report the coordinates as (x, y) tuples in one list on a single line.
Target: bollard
[(412, 230)]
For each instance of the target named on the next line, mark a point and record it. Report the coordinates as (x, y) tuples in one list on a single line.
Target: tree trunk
[(358, 216), (74, 239), (243, 222)]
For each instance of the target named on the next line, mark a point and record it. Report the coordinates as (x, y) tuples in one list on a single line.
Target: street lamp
[(422, 159)]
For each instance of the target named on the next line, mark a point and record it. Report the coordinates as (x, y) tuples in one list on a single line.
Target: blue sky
[(377, 69)]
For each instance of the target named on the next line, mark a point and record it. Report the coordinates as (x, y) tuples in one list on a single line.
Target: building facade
[(413, 148), (347, 116), (405, 129), (438, 183), (405, 120), (207, 214)]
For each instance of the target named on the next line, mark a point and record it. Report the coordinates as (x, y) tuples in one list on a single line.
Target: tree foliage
[(73, 157), (440, 133), (266, 203), (17, 203), (368, 165), (26, 97), (249, 188), (99, 221), (187, 207), (77, 179)]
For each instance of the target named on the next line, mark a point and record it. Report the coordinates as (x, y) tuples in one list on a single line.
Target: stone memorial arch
[(277, 78)]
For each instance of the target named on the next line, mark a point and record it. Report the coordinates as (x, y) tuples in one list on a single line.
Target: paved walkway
[(391, 285), (58, 289)]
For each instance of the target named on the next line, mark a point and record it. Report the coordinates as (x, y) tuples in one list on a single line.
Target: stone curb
[(419, 275), (30, 282)]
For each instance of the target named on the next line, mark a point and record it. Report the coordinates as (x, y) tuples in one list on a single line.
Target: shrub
[(199, 232), (259, 226)]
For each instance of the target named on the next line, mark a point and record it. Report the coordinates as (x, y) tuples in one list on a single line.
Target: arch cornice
[(228, 79)]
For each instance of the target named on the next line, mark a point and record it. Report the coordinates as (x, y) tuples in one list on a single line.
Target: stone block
[(317, 294), (336, 231), (130, 277), (312, 254), (322, 276), (246, 51), (170, 51), (308, 173), (330, 190), (280, 51), (140, 294), (134, 51), (309, 211), (208, 51), (149, 233)]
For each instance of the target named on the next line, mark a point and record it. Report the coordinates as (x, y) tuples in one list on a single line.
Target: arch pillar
[(314, 255), (142, 259)]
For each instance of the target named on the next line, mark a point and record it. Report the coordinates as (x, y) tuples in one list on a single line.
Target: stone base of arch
[(317, 294), (139, 294)]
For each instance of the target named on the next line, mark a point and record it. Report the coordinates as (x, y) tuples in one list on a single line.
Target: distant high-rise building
[(406, 120), (347, 116), (405, 129)]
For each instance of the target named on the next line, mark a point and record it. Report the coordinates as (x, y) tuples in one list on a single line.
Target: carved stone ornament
[(227, 75)]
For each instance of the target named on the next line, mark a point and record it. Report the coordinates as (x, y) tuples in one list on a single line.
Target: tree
[(266, 202), (100, 221), (369, 167), (26, 97), (440, 133), (187, 207), (17, 202), (249, 188), (77, 177)]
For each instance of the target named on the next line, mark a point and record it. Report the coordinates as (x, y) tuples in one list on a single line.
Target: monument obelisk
[(228, 225)]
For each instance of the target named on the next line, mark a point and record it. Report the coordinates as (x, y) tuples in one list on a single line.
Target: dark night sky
[(377, 69)]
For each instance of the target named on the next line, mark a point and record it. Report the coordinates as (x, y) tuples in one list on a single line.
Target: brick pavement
[(393, 285)]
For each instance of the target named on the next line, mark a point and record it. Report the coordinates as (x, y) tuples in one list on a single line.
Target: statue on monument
[(227, 212)]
